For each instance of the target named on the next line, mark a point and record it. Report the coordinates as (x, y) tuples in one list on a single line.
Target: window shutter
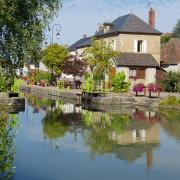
[(145, 46), (135, 45)]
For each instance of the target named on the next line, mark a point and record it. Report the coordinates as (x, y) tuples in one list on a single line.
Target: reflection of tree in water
[(98, 139), (7, 149), (53, 127), (39, 103), (171, 122), (113, 133)]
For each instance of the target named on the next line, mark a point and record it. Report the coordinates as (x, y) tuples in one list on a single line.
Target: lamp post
[(56, 27)]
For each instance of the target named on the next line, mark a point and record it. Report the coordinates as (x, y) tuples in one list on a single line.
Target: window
[(132, 73), (140, 46), (137, 73)]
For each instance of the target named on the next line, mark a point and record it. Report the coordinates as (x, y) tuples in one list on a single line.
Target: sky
[(79, 17)]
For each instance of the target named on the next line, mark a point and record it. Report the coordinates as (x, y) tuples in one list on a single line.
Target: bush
[(119, 84), (170, 101), (170, 82), (6, 80), (41, 75)]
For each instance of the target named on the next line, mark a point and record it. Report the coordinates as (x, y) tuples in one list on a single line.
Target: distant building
[(138, 42), (170, 55)]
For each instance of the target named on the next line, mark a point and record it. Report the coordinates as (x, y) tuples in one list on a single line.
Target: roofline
[(138, 66), (125, 32)]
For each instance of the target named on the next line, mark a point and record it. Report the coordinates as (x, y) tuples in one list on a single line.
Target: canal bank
[(16, 104), (101, 101)]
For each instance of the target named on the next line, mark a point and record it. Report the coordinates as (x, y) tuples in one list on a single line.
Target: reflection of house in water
[(68, 108), (141, 136)]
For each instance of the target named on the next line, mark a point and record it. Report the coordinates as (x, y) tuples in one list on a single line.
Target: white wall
[(150, 75), (174, 68)]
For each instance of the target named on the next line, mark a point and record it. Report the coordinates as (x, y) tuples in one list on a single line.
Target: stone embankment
[(104, 102), (52, 92), (16, 103)]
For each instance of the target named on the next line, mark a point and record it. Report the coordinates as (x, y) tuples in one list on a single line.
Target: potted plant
[(153, 88), (139, 88)]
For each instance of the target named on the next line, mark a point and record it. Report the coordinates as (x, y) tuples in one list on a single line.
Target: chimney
[(85, 36), (101, 28), (152, 18)]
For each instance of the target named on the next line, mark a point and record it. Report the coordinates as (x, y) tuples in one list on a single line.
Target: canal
[(57, 140)]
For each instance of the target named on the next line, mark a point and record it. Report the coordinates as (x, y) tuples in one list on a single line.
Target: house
[(170, 55), (138, 42)]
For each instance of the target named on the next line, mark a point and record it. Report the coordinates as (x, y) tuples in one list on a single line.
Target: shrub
[(5, 80), (170, 82), (119, 84), (45, 76), (139, 87), (170, 101)]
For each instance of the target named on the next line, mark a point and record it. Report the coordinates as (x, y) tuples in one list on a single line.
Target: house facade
[(138, 43), (170, 55)]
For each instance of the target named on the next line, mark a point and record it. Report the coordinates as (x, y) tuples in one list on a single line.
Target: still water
[(56, 140)]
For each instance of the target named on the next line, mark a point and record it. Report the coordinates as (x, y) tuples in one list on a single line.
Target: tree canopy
[(75, 66), (54, 57), (22, 28), (176, 30), (99, 54)]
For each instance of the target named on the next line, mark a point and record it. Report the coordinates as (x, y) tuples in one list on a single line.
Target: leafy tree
[(99, 54), (165, 38), (54, 57), (22, 28), (75, 66), (176, 31)]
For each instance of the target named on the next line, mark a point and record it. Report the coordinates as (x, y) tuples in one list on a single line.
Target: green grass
[(170, 101)]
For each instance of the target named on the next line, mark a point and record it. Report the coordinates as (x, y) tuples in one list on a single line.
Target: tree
[(99, 54), (176, 31), (54, 57), (22, 28), (165, 38), (75, 66)]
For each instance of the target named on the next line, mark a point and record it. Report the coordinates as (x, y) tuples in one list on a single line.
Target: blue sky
[(78, 17)]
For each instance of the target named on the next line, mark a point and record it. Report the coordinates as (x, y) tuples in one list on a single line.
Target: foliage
[(74, 66), (176, 30), (16, 86), (7, 148), (5, 80), (119, 84), (99, 139), (54, 57), (42, 75), (153, 87), (170, 81), (52, 126), (139, 87), (170, 101), (165, 38), (99, 54), (23, 24)]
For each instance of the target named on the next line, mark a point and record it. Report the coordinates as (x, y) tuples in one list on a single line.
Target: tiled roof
[(130, 24), (136, 60), (170, 52), (84, 42)]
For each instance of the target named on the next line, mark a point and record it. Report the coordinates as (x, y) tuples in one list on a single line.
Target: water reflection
[(128, 136)]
